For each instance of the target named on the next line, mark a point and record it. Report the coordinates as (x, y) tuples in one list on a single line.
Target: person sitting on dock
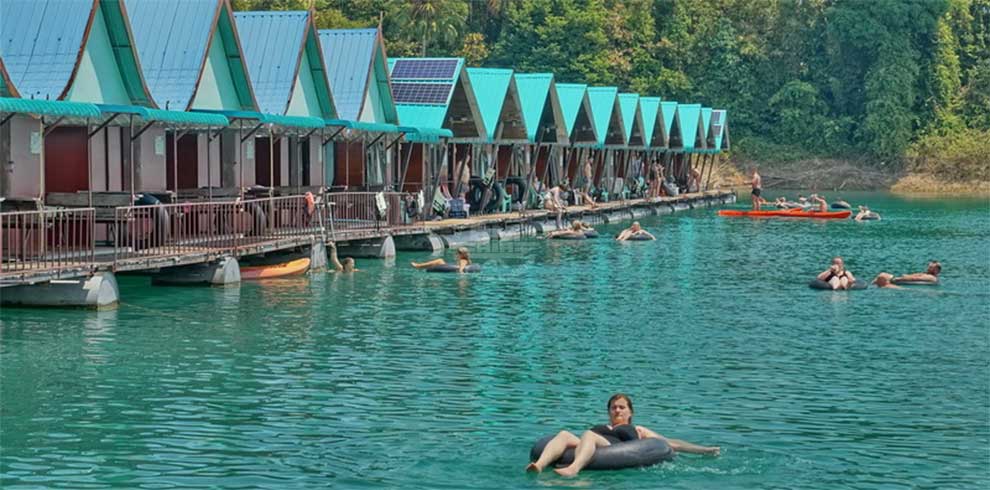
[(929, 276), (463, 260), (634, 231), (883, 281), (837, 276), (821, 202), (618, 429), (347, 266)]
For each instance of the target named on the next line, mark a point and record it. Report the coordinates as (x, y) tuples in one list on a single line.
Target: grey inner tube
[(453, 268), (841, 205), (639, 237), (820, 284), (590, 234), (628, 454), (870, 216)]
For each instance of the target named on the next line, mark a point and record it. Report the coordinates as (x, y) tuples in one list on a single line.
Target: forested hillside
[(890, 84)]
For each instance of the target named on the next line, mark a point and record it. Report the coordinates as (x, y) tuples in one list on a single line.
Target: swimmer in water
[(618, 429), (883, 281), (463, 260), (634, 230), (929, 276), (348, 264)]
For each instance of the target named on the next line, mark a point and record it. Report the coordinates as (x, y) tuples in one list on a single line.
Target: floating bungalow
[(177, 137)]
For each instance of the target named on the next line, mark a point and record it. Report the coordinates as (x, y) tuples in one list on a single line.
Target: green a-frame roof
[(500, 105), (576, 109), (541, 108)]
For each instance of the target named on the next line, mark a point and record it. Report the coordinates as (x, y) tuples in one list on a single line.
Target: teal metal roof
[(355, 60), (494, 83), (689, 117), (55, 108), (183, 118), (632, 120), (668, 111), (373, 127), (272, 43), (425, 135), (650, 108), (173, 44), (706, 120), (42, 42), (576, 111), (534, 89), (603, 108), (171, 118), (294, 121)]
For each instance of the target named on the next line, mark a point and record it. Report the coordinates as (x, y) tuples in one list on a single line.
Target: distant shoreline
[(841, 175)]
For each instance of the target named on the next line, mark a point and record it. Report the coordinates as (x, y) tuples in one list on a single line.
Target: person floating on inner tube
[(865, 214), (837, 276), (883, 281), (347, 266), (463, 260), (576, 230), (634, 231), (618, 429), (929, 276)]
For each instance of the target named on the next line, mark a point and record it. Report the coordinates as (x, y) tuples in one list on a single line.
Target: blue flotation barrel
[(820, 284), (628, 454), (453, 268)]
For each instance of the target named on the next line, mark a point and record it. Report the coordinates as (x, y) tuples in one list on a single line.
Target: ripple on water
[(396, 378)]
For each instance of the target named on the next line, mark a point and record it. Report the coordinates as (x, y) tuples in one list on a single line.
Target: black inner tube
[(590, 234), (820, 284), (571, 235), (628, 454), (453, 268)]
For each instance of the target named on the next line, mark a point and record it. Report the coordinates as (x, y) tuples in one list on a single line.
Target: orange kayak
[(292, 268), (786, 213)]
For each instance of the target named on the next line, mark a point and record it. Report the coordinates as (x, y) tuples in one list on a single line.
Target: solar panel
[(424, 69), (421, 93)]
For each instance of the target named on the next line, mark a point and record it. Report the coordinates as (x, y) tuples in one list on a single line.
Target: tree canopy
[(826, 77)]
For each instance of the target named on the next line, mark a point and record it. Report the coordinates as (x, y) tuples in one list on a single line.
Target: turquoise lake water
[(400, 379)]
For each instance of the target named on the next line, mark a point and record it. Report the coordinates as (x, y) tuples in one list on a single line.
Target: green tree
[(435, 26)]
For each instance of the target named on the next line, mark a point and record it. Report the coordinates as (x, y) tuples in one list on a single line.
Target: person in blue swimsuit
[(619, 429)]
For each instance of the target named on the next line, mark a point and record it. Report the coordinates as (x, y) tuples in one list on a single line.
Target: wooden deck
[(153, 259)]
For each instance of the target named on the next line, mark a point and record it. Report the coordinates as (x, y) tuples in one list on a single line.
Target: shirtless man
[(589, 175), (634, 230), (757, 184), (822, 203), (930, 275)]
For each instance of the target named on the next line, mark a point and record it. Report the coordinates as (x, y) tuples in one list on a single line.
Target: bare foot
[(566, 472), (532, 468)]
